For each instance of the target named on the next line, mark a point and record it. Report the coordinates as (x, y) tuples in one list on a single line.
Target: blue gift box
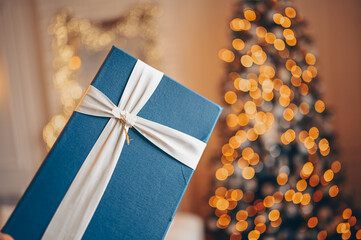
[(147, 184)]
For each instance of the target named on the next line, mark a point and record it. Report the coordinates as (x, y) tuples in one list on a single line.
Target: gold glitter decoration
[(70, 33)]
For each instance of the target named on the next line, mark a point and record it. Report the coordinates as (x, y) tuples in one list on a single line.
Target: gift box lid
[(147, 184)]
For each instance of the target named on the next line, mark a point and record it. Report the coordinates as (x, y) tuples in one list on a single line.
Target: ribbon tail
[(183, 147), (75, 211)]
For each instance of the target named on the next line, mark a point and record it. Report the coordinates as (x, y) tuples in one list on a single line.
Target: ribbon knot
[(126, 118)]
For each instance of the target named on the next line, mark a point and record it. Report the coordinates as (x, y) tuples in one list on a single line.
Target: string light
[(68, 33), (281, 153)]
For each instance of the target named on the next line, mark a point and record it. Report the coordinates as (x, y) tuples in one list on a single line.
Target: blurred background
[(182, 39)]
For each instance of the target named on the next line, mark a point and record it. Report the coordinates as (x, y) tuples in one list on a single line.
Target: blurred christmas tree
[(280, 176)]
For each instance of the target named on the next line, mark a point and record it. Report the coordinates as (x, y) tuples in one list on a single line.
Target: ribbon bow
[(84, 194)]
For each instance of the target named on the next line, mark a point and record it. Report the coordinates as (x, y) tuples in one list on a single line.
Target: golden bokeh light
[(285, 22), (253, 235), (260, 227), (221, 192), (296, 71), (227, 150), (303, 89), (307, 168), (242, 225), (304, 108), (75, 63), (242, 215), (320, 106), (290, 12), (221, 174), (310, 59), (276, 223), (273, 215), (247, 153), (285, 91), (347, 213), (269, 201), (261, 32), (313, 70), (238, 44), (236, 24), (250, 15), (358, 234), (279, 44), (260, 218), (333, 191), (336, 166), (244, 85), (270, 38), (312, 222), (301, 185), (243, 119), (289, 195), (328, 175), (250, 107), (313, 133), (288, 114), (306, 199), (248, 173), (232, 120), (291, 42), (230, 97), (246, 60), (254, 160), (297, 198), (277, 18), (322, 235), (309, 142), (307, 76), (323, 144), (288, 34), (282, 178), (289, 64), (278, 197), (302, 136), (224, 220), (236, 195), (226, 55), (242, 163), (222, 204), (314, 180)]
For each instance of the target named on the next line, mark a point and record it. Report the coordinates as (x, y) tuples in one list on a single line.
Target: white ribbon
[(84, 194)]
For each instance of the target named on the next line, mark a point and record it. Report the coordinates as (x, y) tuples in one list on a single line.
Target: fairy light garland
[(69, 33)]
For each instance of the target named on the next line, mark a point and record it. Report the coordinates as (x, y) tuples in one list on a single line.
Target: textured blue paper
[(147, 185)]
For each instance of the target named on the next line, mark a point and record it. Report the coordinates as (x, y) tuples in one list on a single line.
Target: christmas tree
[(280, 176)]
